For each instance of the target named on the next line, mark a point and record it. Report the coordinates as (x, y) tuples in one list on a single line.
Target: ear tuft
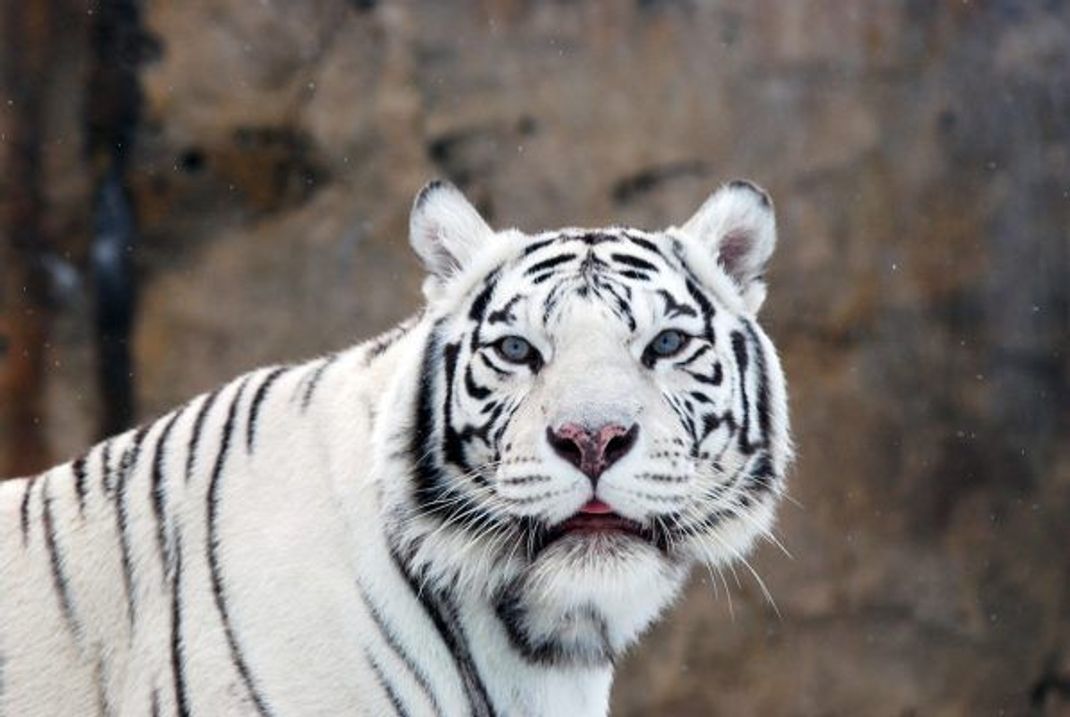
[(738, 225), (445, 230)]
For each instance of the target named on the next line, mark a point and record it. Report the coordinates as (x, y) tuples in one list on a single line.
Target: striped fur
[(386, 530)]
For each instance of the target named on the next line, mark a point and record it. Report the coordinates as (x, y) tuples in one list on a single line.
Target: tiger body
[(474, 514)]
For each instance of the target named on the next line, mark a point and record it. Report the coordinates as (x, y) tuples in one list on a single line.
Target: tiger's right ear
[(445, 229)]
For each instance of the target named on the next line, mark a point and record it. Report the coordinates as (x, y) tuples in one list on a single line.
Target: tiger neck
[(497, 677)]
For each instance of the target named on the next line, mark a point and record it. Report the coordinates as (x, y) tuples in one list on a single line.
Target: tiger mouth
[(598, 519), (584, 523)]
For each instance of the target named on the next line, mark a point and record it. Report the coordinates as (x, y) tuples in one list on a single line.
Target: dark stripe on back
[(215, 569), (198, 427), (59, 579), (178, 652), (258, 401), (444, 617), (386, 686), (78, 469), (126, 467), (392, 641), (159, 492), (105, 467), (24, 511), (314, 381)]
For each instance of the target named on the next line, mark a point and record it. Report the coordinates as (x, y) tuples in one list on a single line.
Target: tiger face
[(598, 411)]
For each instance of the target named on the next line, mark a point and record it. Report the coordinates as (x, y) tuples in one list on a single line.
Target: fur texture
[(416, 526)]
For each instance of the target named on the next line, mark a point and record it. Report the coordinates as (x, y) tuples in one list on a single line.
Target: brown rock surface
[(919, 154)]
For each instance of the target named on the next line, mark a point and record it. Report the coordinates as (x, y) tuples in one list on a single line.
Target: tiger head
[(597, 411)]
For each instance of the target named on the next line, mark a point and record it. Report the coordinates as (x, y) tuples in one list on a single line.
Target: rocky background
[(190, 188)]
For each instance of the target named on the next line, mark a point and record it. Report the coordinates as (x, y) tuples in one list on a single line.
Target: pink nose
[(592, 451)]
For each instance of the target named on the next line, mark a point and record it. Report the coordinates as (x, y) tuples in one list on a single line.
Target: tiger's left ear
[(737, 224), (445, 230)]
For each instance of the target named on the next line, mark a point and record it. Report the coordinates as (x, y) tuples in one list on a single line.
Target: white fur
[(306, 520)]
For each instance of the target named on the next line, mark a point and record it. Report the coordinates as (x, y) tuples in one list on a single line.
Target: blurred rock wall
[(919, 155)]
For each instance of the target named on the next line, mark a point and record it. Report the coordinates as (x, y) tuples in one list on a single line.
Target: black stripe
[(313, 382), (702, 350), (548, 263), (596, 238), (634, 262), (761, 476), (214, 566), (432, 491), (384, 342), (532, 248), (391, 694), (159, 492), (392, 641), (78, 468), (505, 314), (105, 467), (761, 401), (198, 427), (673, 307), (739, 348), (258, 400), (24, 511), (100, 676), (178, 657), (645, 243), (59, 579), (708, 312), (444, 617), (549, 652), (126, 467), (620, 306), (493, 367), (474, 389), (480, 302), (155, 703)]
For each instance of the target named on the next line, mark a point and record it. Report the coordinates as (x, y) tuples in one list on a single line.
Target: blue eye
[(516, 349), (668, 343)]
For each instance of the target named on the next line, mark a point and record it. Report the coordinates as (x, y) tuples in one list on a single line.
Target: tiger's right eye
[(516, 350)]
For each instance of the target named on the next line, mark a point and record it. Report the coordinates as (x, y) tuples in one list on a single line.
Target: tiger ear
[(738, 224), (445, 230)]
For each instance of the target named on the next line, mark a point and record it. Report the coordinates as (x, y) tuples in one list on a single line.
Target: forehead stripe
[(532, 248), (479, 304), (645, 243), (634, 262), (548, 263)]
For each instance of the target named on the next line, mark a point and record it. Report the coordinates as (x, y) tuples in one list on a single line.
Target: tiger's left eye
[(668, 343), (515, 349)]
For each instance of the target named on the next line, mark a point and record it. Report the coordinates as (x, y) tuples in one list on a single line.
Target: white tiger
[(471, 515)]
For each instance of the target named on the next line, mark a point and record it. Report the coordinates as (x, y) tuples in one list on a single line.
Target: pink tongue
[(596, 507)]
